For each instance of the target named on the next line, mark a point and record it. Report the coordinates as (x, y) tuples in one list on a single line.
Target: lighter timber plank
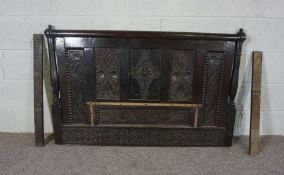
[(255, 103)]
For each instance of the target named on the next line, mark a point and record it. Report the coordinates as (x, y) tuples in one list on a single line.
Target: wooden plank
[(38, 92), (255, 103), (38, 47)]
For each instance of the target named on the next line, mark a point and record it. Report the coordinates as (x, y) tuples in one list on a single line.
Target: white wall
[(263, 21)]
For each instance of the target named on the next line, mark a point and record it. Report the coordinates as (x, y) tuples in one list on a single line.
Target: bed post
[(56, 105), (233, 89)]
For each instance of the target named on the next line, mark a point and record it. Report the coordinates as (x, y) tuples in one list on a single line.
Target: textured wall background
[(263, 21)]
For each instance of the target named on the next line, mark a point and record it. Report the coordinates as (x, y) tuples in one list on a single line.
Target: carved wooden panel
[(161, 67), (142, 116), (143, 136), (107, 64), (76, 90), (182, 68), (212, 88), (144, 72)]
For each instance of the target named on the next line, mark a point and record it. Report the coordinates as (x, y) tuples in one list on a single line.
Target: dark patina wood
[(157, 69), (39, 51), (38, 89)]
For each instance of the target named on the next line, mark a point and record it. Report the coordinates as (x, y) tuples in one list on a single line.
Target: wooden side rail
[(93, 105), (255, 103), (39, 65)]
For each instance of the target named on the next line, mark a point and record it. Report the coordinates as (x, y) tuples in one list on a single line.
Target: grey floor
[(18, 155)]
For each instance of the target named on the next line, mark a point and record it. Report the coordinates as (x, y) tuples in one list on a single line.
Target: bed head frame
[(143, 88)]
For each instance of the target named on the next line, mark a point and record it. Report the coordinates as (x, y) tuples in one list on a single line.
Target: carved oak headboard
[(143, 88)]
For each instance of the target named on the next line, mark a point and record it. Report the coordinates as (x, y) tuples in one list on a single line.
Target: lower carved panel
[(142, 116), (143, 136)]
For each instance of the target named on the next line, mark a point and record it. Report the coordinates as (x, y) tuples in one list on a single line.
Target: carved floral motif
[(144, 72), (182, 75), (107, 73)]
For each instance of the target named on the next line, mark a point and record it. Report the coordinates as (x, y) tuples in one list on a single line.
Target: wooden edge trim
[(52, 32), (145, 104)]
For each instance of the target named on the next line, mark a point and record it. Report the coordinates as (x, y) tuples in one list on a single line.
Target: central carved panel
[(144, 72)]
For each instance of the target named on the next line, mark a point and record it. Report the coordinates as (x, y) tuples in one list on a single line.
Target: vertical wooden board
[(198, 80), (231, 108), (124, 74), (89, 77), (255, 110), (257, 69), (255, 102), (165, 74), (46, 76), (38, 89), (212, 86), (56, 101), (227, 75), (254, 142)]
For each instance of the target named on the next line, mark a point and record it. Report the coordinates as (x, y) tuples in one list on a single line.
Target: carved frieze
[(143, 136)]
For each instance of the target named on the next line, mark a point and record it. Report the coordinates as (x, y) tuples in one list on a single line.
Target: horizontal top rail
[(239, 36)]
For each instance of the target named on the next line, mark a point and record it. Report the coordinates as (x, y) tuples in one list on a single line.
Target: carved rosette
[(107, 73), (181, 75), (144, 72)]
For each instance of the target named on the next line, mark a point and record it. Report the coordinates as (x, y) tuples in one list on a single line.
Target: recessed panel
[(181, 76), (107, 69)]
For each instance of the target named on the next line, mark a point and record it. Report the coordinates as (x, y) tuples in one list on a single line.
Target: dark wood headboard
[(143, 88)]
